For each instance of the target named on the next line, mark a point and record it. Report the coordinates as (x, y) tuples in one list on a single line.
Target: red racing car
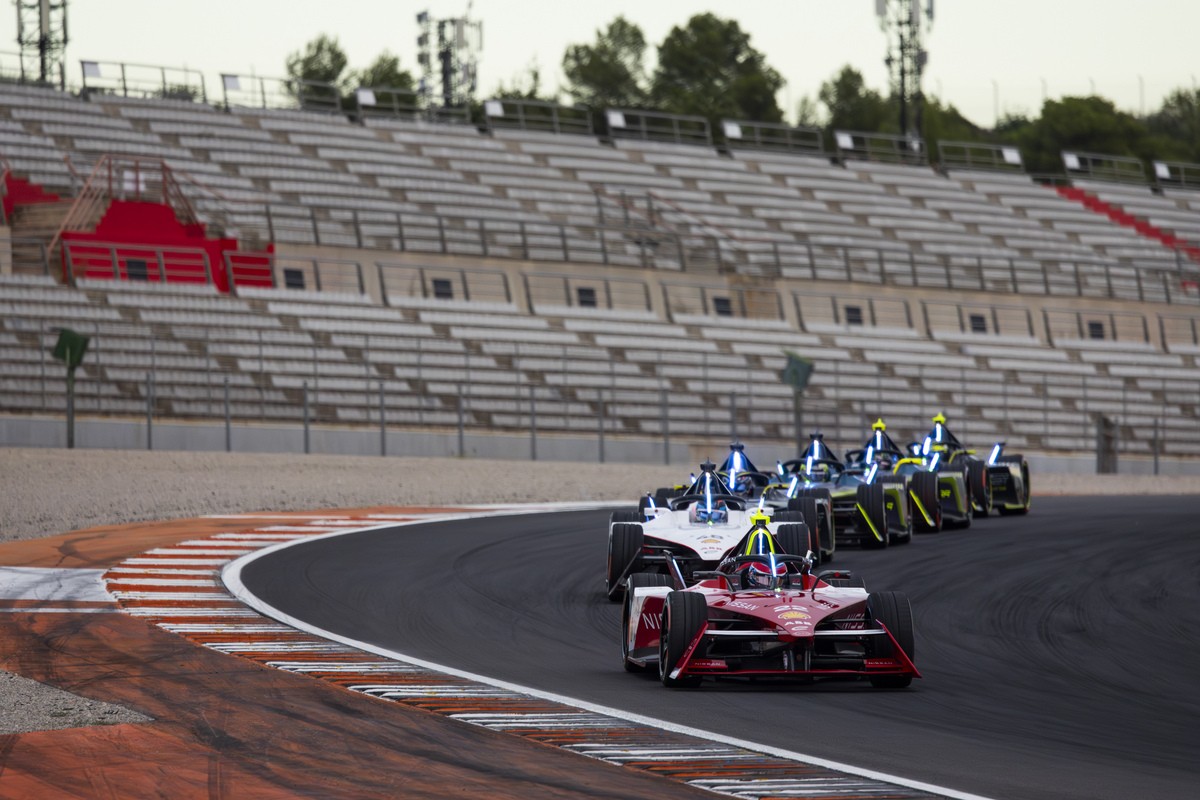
[(766, 614)]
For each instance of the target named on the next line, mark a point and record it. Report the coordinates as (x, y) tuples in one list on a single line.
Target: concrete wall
[(131, 434)]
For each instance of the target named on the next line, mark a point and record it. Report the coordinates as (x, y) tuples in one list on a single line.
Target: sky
[(986, 58)]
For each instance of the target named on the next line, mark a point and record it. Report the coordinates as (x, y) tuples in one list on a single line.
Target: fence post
[(600, 422), (149, 410), (306, 440), (382, 423), (1155, 445), (461, 409), (532, 424), (357, 230), (316, 230), (228, 427)]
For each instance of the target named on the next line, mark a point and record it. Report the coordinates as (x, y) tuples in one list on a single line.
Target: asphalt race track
[(1060, 652)]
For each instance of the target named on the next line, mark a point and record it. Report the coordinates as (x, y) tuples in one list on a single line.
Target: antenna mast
[(449, 60), (906, 55), (42, 38)]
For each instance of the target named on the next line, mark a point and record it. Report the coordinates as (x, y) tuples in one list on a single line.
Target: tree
[(853, 107), (385, 73), (322, 60), (1083, 124), (808, 113), (1176, 126), (526, 87), (609, 73), (946, 123), (709, 68)]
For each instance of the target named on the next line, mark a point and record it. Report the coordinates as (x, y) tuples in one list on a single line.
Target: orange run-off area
[(231, 726)]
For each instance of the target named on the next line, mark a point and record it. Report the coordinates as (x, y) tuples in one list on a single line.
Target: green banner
[(797, 371)]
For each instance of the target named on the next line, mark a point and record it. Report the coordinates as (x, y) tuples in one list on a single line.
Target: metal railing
[(536, 115), (653, 126), (979, 156), (859, 146), (132, 371), (1099, 167), (142, 80), (131, 262), (252, 91), (744, 134), (1177, 175)]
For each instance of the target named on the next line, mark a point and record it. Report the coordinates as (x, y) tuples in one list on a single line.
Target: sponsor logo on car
[(878, 663), (794, 615), (651, 620), (708, 663)]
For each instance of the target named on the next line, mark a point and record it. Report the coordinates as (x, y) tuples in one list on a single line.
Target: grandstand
[(530, 277)]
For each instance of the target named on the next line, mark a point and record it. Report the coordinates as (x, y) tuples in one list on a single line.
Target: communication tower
[(42, 37), (906, 57), (448, 54)]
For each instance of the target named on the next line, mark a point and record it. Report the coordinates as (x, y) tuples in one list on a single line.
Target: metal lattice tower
[(449, 61), (42, 37), (906, 57)]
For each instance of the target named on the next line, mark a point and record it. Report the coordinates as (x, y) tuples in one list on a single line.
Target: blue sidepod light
[(791, 492), (871, 474), (934, 462), (925, 446), (995, 453)]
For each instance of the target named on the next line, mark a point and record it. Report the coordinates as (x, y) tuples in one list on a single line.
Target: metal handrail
[(120, 251)]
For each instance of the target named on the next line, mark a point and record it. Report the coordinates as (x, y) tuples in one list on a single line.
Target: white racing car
[(697, 528)]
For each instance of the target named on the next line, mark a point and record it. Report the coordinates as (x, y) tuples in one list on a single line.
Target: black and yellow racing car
[(969, 485)]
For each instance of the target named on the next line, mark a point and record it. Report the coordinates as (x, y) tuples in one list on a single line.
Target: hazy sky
[(984, 55)]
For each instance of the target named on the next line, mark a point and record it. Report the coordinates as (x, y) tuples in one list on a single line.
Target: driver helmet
[(762, 575), (699, 512)]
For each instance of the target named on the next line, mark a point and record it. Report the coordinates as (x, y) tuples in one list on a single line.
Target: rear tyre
[(872, 513), (894, 611), (979, 488), (787, 516), (815, 509), (795, 538), (624, 550), (923, 488), (663, 495), (684, 614), (627, 516), (810, 513), (634, 581)]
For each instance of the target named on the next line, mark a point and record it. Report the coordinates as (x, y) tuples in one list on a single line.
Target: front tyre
[(684, 616), (624, 556), (893, 610), (635, 581), (872, 514)]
